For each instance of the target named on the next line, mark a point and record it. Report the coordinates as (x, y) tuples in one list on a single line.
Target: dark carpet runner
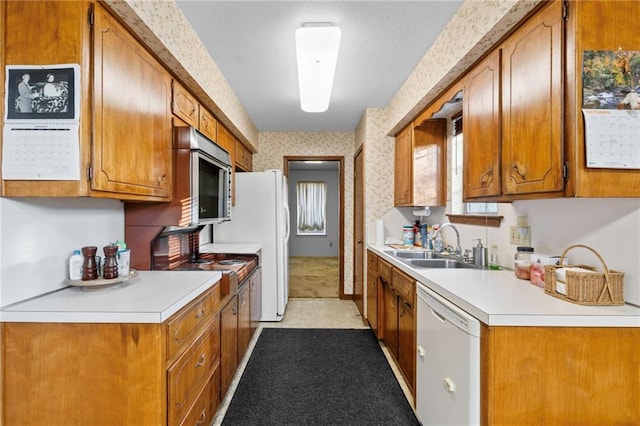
[(318, 377)]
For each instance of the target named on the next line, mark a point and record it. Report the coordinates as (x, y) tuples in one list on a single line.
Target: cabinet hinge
[(90, 15), (565, 171), (565, 10), (89, 173)]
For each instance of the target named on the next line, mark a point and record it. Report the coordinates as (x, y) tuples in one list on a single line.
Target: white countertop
[(151, 297), (498, 298), (231, 248)]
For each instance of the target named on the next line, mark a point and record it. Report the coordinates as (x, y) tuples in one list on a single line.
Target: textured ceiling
[(252, 42)]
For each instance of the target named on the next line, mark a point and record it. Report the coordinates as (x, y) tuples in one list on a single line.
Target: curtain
[(312, 197)]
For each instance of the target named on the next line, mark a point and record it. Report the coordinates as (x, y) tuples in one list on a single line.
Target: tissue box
[(538, 261)]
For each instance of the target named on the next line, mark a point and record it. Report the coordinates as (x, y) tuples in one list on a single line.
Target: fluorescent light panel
[(317, 48)]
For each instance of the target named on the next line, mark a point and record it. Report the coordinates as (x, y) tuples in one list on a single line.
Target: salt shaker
[(89, 264), (110, 269)]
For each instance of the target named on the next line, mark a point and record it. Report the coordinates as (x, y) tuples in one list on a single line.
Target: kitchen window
[(312, 208)]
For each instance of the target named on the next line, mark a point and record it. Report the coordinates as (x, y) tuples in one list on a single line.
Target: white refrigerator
[(261, 215)]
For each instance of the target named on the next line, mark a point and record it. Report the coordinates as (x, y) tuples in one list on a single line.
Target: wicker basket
[(585, 288)]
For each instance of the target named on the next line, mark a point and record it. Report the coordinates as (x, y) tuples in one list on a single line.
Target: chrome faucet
[(458, 249)]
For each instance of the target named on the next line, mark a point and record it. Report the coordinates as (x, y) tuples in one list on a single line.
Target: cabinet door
[(184, 105), (407, 342), (256, 299), (207, 124), (372, 300), (481, 114), (228, 344), (403, 168), (429, 163), (132, 127), (46, 32), (532, 109), (244, 318), (391, 320)]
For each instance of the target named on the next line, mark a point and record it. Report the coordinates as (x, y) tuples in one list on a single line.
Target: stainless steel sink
[(439, 263), (413, 254)]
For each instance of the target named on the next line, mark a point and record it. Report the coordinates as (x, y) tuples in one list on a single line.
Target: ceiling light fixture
[(317, 46)]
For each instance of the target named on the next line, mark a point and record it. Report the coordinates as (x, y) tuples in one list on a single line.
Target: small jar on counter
[(407, 235), (522, 265)]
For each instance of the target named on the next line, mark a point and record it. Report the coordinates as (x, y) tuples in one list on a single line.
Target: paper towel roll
[(379, 232)]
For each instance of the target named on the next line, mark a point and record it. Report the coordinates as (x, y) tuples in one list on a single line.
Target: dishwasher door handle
[(437, 315)]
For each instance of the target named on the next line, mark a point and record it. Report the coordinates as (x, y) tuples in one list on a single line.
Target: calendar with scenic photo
[(41, 123)]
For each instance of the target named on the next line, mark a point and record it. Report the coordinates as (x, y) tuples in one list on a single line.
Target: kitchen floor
[(308, 313)]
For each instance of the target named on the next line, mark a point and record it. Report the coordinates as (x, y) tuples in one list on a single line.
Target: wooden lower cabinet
[(390, 320), (560, 376), (391, 296), (244, 318), (256, 299), (113, 373), (407, 342), (228, 343)]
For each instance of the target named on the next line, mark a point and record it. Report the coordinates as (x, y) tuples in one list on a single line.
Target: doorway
[(316, 258)]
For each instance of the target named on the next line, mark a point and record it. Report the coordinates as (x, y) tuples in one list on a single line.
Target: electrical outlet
[(520, 235)]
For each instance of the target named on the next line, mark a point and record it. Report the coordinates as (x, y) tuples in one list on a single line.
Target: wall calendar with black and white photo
[(41, 123)]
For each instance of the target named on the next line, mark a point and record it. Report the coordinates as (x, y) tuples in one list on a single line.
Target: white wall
[(37, 236), (316, 245)]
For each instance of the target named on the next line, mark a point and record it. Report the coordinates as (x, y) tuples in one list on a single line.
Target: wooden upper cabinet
[(56, 33), (429, 163), (621, 21), (184, 105), (207, 124), (132, 134), (403, 179), (125, 128), (244, 157), (227, 141), (481, 115), (532, 105)]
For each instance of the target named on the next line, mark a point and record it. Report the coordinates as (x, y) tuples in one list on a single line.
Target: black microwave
[(210, 178)]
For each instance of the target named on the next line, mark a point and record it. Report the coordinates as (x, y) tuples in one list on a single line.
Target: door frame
[(340, 160)]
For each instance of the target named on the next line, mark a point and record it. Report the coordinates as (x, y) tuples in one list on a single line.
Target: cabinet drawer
[(384, 270), (187, 375), (208, 125), (202, 411), (184, 326), (184, 105), (372, 262), (404, 285)]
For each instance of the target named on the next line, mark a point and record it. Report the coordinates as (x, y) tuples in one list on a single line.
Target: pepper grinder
[(110, 269), (89, 265)]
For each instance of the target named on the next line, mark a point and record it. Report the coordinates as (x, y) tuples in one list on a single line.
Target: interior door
[(358, 232)]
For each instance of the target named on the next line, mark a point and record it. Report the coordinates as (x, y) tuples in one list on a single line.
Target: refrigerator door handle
[(286, 222)]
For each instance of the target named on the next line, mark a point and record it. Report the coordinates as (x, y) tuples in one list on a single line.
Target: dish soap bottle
[(493, 257), (75, 266)]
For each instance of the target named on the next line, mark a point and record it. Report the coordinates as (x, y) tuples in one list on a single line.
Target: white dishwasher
[(448, 362)]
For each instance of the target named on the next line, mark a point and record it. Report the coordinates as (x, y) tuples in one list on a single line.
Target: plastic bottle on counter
[(522, 264), (493, 257), (75, 266), (417, 240)]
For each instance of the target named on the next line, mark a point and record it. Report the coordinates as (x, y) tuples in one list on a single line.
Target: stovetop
[(242, 265)]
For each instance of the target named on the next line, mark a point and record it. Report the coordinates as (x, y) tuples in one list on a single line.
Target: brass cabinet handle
[(486, 178), (520, 173), (202, 418), (201, 361), (200, 313)]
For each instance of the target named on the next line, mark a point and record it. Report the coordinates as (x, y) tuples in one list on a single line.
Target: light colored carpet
[(316, 277)]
